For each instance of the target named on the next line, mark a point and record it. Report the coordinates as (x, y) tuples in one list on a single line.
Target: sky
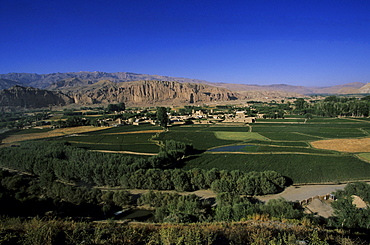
[(300, 42)]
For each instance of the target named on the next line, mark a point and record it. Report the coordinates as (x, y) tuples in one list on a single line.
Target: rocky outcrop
[(149, 93), (27, 97)]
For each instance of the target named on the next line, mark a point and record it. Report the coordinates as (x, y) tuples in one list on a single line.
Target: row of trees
[(18, 191), (331, 106), (334, 106), (252, 183), (175, 208), (21, 119), (58, 160)]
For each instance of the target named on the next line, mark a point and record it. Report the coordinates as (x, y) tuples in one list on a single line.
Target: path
[(127, 152), (294, 193)]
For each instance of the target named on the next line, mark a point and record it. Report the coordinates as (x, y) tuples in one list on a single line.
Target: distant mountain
[(60, 81), (348, 88), (6, 83), (365, 89), (275, 87), (69, 82), (48, 80)]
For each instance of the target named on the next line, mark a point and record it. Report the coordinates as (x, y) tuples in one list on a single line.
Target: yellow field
[(138, 132), (239, 136), (344, 145), (53, 133)]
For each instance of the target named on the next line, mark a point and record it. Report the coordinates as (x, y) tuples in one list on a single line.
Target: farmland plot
[(301, 168), (285, 148)]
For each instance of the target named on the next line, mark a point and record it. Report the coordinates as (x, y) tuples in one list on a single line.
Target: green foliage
[(162, 117), (280, 208), (116, 107), (346, 214), (175, 208), (122, 198)]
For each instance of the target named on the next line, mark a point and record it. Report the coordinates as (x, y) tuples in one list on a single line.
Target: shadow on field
[(194, 154), (288, 181)]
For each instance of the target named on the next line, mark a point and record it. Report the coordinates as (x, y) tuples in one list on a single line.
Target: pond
[(141, 215)]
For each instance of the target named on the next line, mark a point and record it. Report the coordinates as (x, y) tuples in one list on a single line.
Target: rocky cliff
[(140, 93), (26, 97), (148, 93)]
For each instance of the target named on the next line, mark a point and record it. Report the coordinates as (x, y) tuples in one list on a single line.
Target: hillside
[(48, 80), (6, 83), (148, 93), (139, 93), (27, 97), (75, 79)]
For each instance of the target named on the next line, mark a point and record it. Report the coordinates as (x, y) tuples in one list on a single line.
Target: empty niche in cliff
[(191, 98)]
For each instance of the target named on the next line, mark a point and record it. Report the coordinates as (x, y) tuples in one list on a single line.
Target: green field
[(200, 140), (126, 138), (306, 132), (283, 147), (279, 146), (116, 142), (242, 136), (301, 168)]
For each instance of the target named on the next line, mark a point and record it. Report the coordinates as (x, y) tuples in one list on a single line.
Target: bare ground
[(298, 193)]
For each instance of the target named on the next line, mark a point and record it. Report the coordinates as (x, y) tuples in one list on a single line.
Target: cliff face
[(26, 97), (148, 93), (141, 93)]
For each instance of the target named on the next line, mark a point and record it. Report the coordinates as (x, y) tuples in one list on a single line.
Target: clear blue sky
[(300, 42)]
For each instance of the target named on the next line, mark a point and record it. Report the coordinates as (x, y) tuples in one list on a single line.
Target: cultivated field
[(318, 151), (344, 145), (291, 149), (43, 133)]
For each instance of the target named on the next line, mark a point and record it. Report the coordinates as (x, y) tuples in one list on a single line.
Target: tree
[(162, 117), (280, 208), (300, 104), (346, 213), (116, 107), (122, 198)]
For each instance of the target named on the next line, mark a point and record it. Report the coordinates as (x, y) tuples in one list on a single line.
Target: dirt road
[(294, 193)]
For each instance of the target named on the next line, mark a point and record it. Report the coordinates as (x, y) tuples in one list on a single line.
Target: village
[(200, 116)]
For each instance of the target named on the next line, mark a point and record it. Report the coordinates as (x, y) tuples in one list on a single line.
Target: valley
[(227, 161)]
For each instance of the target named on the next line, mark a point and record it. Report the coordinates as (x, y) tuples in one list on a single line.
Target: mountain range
[(54, 81), (33, 90)]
